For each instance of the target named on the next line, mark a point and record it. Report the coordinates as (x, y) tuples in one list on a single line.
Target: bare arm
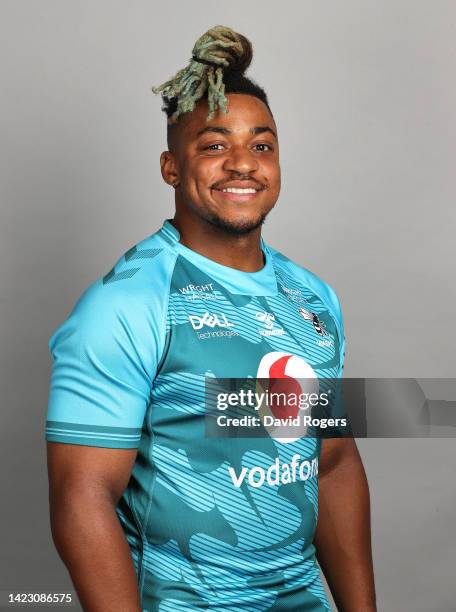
[(343, 537), (85, 484)]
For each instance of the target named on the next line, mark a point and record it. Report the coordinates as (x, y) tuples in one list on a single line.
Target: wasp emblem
[(319, 326)]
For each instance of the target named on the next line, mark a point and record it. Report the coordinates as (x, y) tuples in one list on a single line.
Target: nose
[(240, 160)]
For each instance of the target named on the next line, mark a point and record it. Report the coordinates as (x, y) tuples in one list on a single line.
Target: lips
[(235, 186), (239, 191), (236, 194)]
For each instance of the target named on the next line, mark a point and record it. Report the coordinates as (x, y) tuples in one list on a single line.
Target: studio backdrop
[(364, 98)]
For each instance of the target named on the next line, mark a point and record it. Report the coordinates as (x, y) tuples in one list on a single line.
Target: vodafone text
[(277, 473)]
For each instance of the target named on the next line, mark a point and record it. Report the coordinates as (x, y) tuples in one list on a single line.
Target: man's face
[(228, 168)]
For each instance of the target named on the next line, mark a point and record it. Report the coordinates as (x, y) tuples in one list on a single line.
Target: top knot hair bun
[(221, 46), (219, 51)]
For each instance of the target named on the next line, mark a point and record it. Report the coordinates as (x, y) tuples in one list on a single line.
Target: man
[(148, 511)]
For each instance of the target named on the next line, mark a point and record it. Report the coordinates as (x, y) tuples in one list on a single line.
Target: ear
[(169, 169)]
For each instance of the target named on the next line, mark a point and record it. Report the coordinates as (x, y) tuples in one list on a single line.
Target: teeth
[(238, 190)]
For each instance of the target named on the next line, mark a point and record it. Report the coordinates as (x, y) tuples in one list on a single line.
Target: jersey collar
[(262, 282)]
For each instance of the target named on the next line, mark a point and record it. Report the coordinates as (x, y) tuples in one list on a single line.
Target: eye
[(264, 144), (211, 147)]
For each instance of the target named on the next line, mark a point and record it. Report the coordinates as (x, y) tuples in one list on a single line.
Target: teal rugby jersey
[(206, 529)]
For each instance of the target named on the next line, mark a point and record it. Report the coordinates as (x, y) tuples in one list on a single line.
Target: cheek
[(279, 176), (272, 171), (204, 172), (270, 165)]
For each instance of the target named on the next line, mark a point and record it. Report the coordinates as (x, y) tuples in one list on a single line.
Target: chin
[(237, 226)]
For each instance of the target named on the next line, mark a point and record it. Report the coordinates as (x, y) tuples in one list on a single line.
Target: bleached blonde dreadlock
[(219, 52)]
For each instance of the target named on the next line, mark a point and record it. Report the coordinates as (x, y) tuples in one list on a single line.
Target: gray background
[(364, 97)]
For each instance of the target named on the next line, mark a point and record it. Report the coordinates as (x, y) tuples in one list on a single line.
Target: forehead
[(244, 113)]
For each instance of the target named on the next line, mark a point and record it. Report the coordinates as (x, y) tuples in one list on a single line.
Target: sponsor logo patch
[(268, 318), (209, 320), (193, 292)]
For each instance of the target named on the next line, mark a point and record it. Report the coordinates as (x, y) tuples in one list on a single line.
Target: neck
[(242, 252)]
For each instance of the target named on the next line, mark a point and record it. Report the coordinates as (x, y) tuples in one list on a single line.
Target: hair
[(219, 60)]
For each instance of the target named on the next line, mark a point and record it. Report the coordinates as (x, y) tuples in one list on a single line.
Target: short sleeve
[(104, 360)]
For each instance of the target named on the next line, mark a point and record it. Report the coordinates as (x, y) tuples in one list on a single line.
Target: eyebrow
[(226, 131)]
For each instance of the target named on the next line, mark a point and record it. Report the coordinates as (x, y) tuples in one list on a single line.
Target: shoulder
[(143, 269), (130, 297), (317, 285)]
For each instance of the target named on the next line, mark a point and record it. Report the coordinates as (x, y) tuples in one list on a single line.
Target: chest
[(214, 332)]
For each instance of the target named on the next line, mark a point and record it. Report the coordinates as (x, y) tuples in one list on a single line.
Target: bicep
[(334, 452), (106, 470)]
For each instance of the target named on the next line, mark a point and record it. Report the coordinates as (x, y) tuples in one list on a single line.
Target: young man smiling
[(148, 512)]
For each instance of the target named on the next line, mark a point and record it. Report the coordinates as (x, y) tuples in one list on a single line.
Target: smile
[(238, 190), (236, 194)]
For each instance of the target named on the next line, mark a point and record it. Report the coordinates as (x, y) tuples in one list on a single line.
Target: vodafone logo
[(278, 364), (290, 375)]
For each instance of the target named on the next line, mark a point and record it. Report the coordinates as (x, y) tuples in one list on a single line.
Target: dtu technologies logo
[(209, 320)]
